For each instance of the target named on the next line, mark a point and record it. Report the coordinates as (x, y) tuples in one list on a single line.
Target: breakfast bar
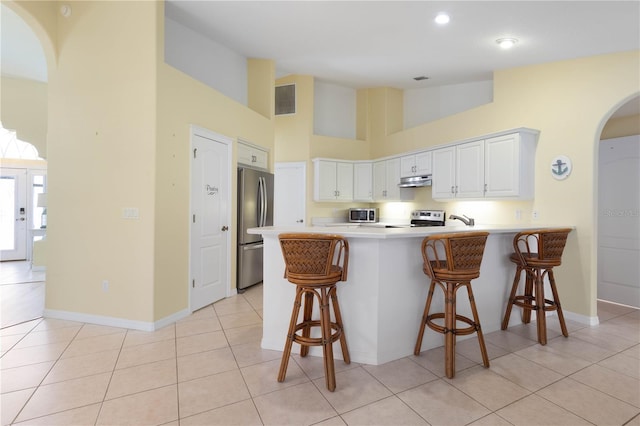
[(383, 299)]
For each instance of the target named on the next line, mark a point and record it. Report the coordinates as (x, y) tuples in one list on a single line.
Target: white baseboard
[(582, 319), (116, 322)]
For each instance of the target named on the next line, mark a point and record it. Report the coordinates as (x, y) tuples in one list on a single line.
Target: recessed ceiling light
[(442, 18), (506, 43)]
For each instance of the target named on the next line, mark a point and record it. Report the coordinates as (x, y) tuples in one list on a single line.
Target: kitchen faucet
[(469, 221)]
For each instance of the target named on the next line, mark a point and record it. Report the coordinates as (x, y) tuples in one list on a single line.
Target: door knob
[(225, 228), (21, 219)]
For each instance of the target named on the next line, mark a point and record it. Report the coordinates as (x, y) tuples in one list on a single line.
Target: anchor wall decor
[(561, 167)]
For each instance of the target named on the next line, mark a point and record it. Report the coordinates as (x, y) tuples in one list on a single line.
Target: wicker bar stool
[(536, 252), (452, 261), (315, 263)]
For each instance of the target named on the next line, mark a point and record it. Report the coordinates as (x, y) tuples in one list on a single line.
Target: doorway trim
[(596, 196), (195, 130)]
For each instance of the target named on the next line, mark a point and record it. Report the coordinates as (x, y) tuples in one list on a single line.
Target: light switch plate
[(130, 213)]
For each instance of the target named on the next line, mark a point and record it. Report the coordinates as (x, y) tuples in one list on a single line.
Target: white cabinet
[(333, 180), (416, 164), (497, 167), (470, 170), (362, 181), (252, 155), (509, 165), (444, 173), (386, 176)]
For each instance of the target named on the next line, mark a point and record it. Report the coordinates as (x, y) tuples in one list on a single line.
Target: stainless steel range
[(428, 218)]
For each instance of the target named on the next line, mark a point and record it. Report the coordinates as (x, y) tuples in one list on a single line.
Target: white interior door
[(289, 194), (13, 214), (210, 213), (619, 221)]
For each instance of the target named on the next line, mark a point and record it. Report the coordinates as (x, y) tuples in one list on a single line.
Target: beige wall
[(622, 126), (23, 107), (261, 96), (101, 152)]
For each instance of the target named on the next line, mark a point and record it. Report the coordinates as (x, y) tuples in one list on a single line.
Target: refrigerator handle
[(264, 202), (260, 202)]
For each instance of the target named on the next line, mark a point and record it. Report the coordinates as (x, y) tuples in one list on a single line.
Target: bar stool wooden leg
[(449, 332), (290, 335), (306, 318), (541, 318), (556, 299), (327, 344), (425, 315), (512, 298), (476, 320), (528, 297), (343, 339)]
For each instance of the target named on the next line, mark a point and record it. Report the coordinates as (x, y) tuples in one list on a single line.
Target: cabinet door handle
[(452, 191), (485, 187)]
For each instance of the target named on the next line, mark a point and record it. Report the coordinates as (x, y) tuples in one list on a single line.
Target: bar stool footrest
[(529, 302), (315, 341), (473, 327)]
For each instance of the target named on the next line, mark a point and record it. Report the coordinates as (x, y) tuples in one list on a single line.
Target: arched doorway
[(618, 201), (27, 57)]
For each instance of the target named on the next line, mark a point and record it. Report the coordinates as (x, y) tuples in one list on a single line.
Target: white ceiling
[(387, 43), (383, 43)]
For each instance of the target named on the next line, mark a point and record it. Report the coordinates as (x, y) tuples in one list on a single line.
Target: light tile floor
[(209, 369)]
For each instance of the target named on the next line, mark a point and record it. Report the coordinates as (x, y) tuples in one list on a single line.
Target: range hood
[(415, 181)]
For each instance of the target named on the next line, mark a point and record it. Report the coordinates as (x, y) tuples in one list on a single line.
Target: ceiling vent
[(286, 99)]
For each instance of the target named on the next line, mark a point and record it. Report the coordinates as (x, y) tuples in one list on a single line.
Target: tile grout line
[(39, 385)]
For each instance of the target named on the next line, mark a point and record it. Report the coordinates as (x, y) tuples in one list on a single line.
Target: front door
[(289, 194), (13, 214), (210, 213)]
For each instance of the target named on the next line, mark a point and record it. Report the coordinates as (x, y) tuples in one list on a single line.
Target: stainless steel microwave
[(363, 215)]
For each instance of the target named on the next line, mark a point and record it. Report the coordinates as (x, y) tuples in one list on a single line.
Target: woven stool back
[(541, 245), (446, 255), (310, 256)]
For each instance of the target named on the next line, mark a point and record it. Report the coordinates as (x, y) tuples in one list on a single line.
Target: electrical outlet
[(105, 285), (518, 214), (534, 215)]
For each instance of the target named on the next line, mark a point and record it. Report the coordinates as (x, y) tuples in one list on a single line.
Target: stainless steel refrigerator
[(255, 209)]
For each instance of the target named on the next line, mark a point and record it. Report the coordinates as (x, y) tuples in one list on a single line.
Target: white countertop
[(359, 231)]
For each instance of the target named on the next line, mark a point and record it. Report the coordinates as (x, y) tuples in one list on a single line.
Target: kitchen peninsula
[(383, 298)]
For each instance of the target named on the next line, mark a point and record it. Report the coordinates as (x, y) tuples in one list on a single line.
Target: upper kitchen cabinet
[(333, 180), (470, 170), (444, 173), (509, 165), (458, 171), (416, 164), (386, 176), (497, 167), (363, 181), (252, 155)]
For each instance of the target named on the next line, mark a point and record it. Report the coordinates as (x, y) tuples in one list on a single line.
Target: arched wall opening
[(617, 204)]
